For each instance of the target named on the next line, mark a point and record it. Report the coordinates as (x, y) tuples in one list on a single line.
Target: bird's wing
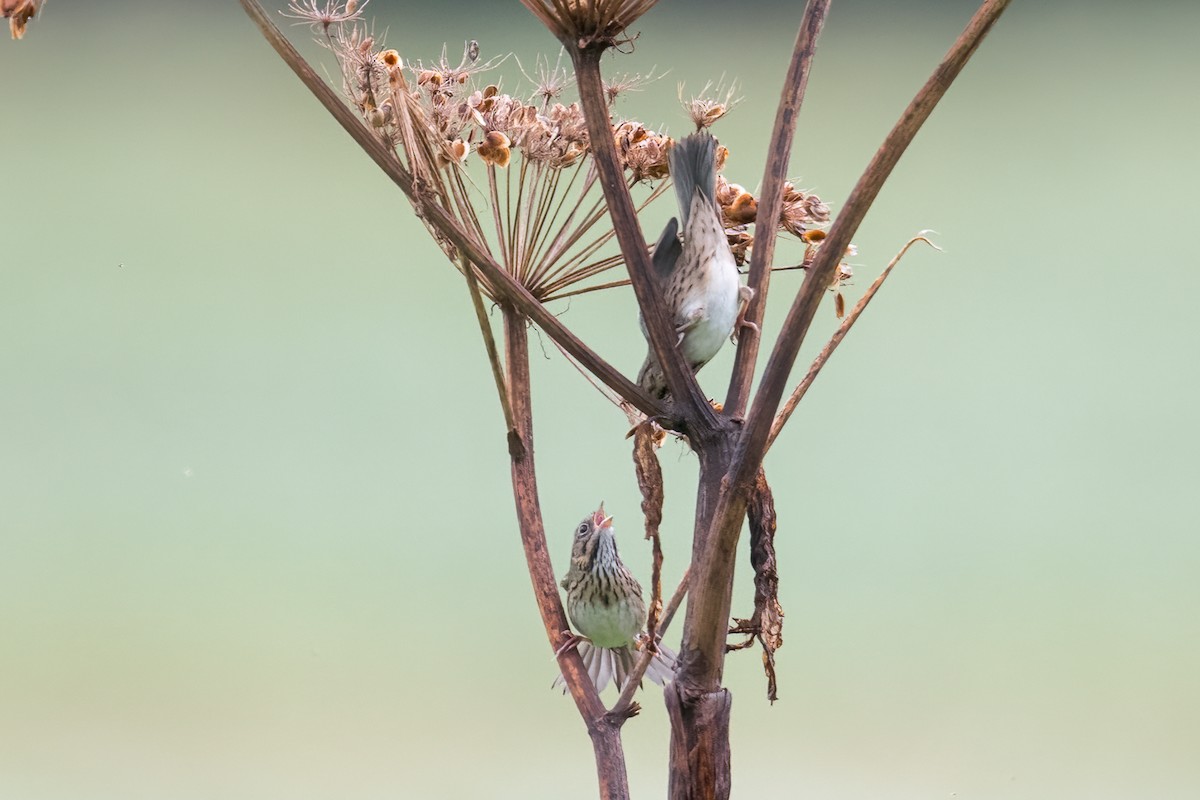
[(667, 251)]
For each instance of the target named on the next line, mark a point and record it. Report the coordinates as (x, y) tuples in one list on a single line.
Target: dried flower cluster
[(712, 103), (588, 22), (643, 152), (18, 13), (801, 215), (537, 206), (322, 16)]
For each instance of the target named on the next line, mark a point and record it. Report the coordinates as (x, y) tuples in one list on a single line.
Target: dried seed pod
[(742, 210), (454, 152), (495, 149)]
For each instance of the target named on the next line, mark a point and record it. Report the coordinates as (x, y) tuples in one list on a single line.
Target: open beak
[(600, 520)]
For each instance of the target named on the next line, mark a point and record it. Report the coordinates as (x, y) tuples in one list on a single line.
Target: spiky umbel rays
[(515, 171)]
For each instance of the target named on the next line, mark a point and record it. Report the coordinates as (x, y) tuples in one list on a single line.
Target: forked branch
[(752, 444)]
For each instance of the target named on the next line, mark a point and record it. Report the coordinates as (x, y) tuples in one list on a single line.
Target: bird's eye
[(582, 529)]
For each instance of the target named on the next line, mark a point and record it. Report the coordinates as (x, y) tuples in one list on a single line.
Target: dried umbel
[(515, 169), (588, 23), (643, 152), (322, 16), (710, 105)]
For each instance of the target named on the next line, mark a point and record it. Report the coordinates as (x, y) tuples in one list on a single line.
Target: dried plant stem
[(489, 343), (606, 736), (770, 202), (501, 239), (679, 378), (802, 388), (752, 443), (567, 236)]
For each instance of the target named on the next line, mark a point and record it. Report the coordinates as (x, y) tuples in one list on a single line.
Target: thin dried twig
[(489, 343), (802, 388), (621, 708), (770, 203)]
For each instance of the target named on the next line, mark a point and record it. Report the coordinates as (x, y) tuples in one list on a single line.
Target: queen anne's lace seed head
[(442, 119), (321, 16)]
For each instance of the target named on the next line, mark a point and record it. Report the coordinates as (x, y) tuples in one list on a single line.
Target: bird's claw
[(746, 294), (573, 641)]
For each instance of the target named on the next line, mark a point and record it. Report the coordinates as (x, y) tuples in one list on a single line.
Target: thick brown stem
[(770, 203), (699, 715), (606, 737), (700, 766), (753, 442), (679, 377)]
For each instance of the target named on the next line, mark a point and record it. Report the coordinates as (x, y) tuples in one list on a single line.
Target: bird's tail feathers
[(693, 162), (604, 664)]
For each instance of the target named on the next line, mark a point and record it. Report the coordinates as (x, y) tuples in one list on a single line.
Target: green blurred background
[(256, 536)]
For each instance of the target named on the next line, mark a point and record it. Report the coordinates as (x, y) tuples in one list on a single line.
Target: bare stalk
[(621, 708), (770, 203), (680, 379), (606, 736), (489, 343)]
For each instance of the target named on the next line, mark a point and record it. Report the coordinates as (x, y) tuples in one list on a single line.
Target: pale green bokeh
[(256, 537)]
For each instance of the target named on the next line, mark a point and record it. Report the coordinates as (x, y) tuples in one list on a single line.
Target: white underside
[(718, 305)]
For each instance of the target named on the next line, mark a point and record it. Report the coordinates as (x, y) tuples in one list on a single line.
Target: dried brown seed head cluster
[(550, 82), (712, 103), (801, 211), (631, 82), (18, 13), (442, 120), (588, 23), (323, 16), (738, 206), (495, 149), (800, 215), (643, 152)]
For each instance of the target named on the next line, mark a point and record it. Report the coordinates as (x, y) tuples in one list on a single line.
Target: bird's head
[(593, 540)]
